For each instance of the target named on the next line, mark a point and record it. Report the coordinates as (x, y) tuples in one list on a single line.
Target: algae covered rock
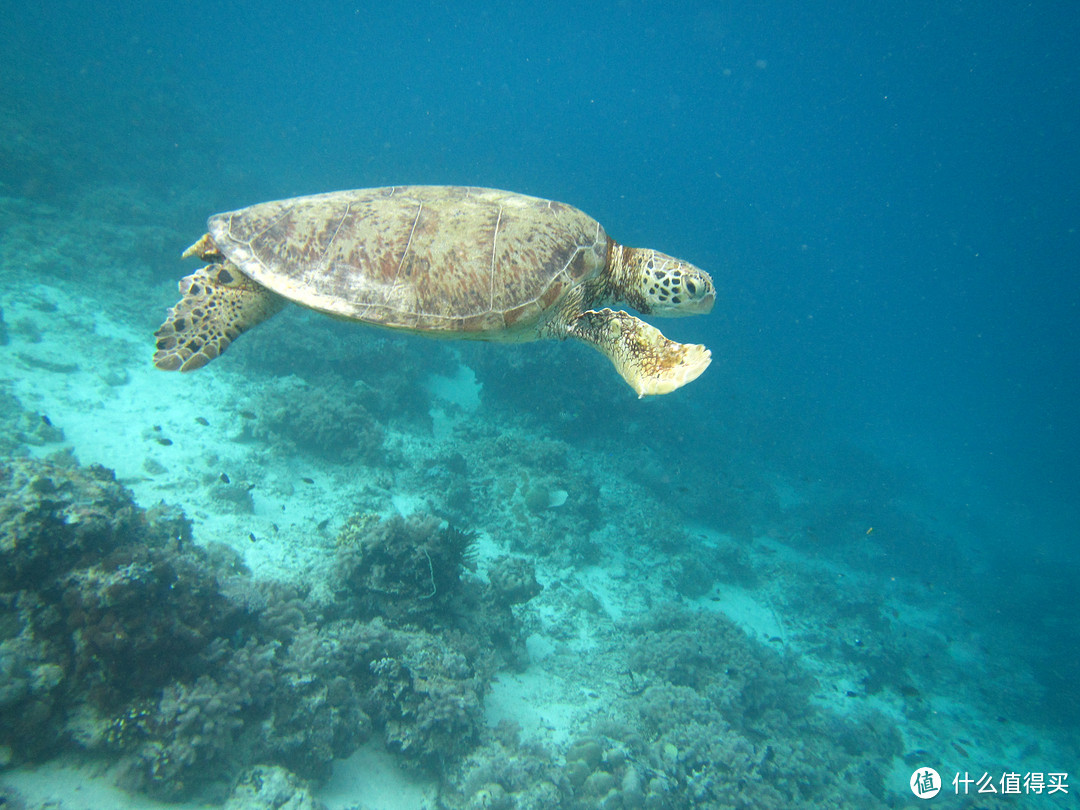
[(513, 580), (271, 787)]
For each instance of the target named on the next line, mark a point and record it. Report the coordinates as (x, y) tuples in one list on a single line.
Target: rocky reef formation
[(119, 635)]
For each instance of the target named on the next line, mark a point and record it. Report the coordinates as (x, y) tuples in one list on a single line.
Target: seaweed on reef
[(427, 700)]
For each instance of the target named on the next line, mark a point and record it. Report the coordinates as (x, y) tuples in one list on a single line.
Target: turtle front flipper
[(647, 360), (219, 303)]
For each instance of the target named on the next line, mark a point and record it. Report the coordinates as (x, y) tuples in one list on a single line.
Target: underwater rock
[(541, 497), (233, 496), (271, 787), (513, 580)]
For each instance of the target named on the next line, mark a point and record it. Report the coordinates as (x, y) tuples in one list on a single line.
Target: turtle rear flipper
[(219, 303), (647, 360)]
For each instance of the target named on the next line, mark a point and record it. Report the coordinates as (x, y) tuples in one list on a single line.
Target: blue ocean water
[(886, 196)]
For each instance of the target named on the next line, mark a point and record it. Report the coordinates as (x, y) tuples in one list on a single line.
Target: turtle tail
[(218, 304)]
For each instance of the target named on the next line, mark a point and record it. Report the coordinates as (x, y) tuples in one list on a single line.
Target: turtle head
[(658, 284)]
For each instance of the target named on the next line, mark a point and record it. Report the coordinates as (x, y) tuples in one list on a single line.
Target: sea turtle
[(443, 261)]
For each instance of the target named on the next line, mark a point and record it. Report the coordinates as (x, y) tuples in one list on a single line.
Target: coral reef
[(364, 365), (327, 421), (118, 634), (721, 721), (707, 718), (100, 599), (409, 570)]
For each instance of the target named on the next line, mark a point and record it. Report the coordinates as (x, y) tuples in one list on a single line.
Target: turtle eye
[(691, 287)]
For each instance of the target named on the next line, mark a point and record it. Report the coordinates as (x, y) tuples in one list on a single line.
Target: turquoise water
[(871, 495)]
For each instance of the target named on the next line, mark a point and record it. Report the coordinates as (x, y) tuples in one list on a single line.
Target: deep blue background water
[(886, 195)]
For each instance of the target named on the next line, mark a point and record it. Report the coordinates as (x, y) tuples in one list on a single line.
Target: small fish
[(307, 480), (163, 442), (251, 536), (275, 527), (46, 420), (960, 749), (323, 524), (202, 420), (224, 479), (247, 414)]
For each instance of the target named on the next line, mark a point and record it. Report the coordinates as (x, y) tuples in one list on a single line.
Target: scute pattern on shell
[(429, 258)]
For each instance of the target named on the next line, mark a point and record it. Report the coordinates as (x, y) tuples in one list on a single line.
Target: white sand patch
[(751, 610), (63, 784), (546, 709), (462, 389), (407, 503), (610, 593), (371, 779)]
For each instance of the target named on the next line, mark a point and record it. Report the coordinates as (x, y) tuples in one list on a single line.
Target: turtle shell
[(427, 258)]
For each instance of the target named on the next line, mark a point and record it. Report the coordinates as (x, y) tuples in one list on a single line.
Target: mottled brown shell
[(428, 258)]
